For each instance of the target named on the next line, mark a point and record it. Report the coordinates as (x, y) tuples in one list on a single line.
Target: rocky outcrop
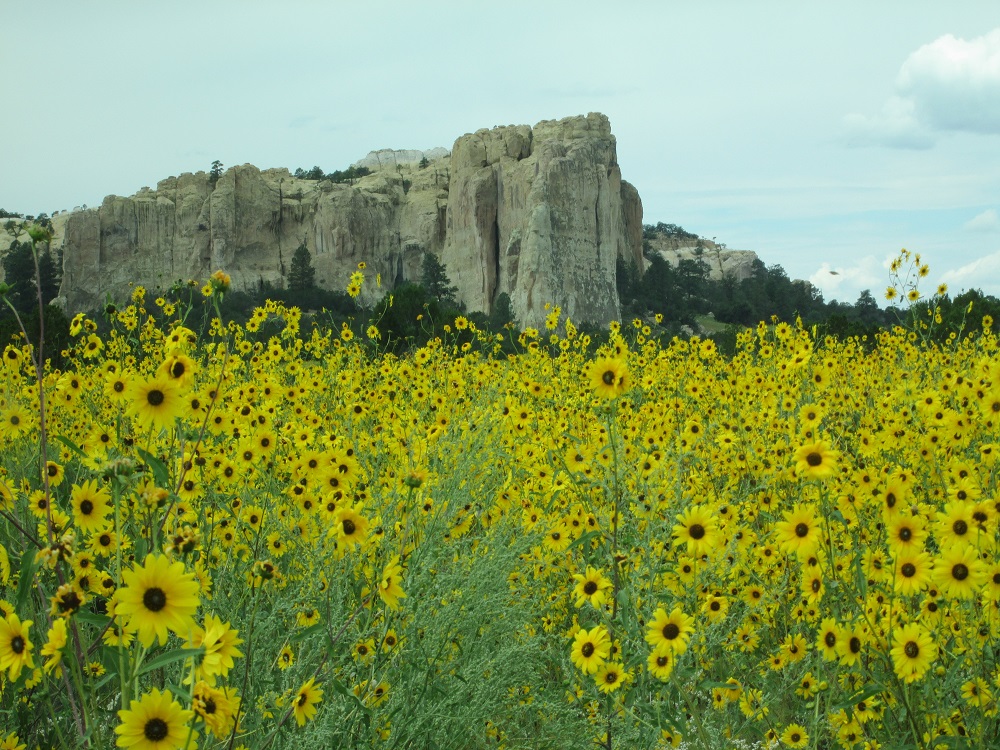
[(541, 214), (389, 158), (722, 262), (538, 213), (249, 223)]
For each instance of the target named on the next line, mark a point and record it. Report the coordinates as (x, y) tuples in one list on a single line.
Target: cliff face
[(249, 224), (541, 214), (538, 213)]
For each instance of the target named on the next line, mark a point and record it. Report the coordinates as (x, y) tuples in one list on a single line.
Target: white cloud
[(987, 221), (896, 126), (845, 283), (982, 273), (949, 85), (955, 84)]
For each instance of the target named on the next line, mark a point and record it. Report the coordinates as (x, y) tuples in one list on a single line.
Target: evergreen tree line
[(346, 175), (21, 291), (684, 292), (416, 312)]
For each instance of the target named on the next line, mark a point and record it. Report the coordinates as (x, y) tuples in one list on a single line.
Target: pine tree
[(435, 280), (49, 275), (215, 172), (302, 275), (19, 273)]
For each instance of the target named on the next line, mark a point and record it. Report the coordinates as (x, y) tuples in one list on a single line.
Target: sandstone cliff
[(722, 262), (249, 223), (541, 214), (538, 213)]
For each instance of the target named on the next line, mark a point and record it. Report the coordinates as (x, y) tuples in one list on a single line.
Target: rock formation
[(722, 262), (537, 213), (388, 158), (541, 214)]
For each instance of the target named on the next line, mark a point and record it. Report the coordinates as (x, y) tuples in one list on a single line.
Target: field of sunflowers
[(213, 539)]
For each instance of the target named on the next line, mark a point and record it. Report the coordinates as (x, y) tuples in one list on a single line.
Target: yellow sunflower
[(661, 662), (958, 572), (349, 527), (305, 700), (608, 377), (155, 722), (697, 528), (912, 572), (913, 651), (799, 533), (389, 589), (590, 649), (219, 641), (15, 646), (674, 629), (816, 461), (610, 677), (91, 506), (157, 597), (591, 587), (156, 402)]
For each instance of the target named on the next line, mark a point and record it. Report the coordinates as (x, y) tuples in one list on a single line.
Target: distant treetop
[(666, 230), (346, 175)]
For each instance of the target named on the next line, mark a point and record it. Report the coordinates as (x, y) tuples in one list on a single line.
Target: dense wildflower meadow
[(224, 539)]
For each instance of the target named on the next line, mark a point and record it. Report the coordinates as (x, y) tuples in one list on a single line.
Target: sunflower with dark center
[(591, 588), (913, 651), (350, 527), (672, 630), (816, 461), (158, 596), (697, 529), (799, 532), (608, 377), (305, 701), (156, 402), (590, 649), (15, 646), (155, 722)]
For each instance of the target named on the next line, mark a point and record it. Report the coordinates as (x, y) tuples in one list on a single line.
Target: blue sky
[(824, 136)]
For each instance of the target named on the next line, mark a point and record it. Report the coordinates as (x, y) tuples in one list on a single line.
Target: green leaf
[(303, 634), (959, 743), (586, 537), (708, 685), (92, 618), (862, 696), (70, 444), (169, 657), (159, 469), (26, 578)]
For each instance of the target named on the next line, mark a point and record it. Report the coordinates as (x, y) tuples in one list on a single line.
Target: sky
[(824, 136)]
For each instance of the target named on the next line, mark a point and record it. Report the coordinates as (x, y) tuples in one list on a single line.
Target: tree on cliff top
[(302, 275), (215, 172)]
